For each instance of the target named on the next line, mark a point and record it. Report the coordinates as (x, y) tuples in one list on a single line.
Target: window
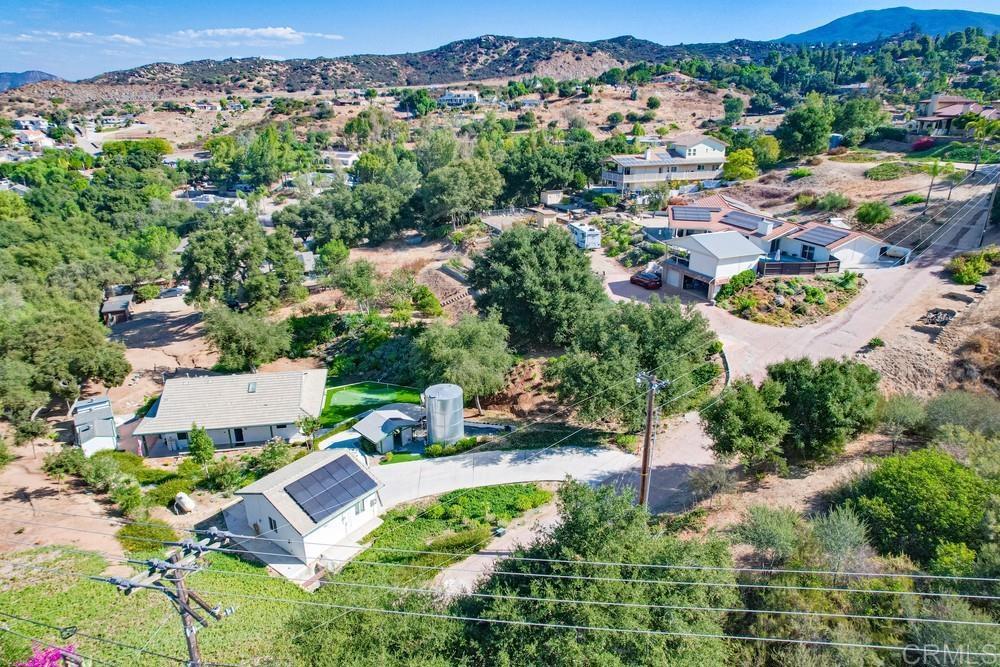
[(359, 507), (775, 244), (182, 435), (281, 426), (808, 252), (272, 524)]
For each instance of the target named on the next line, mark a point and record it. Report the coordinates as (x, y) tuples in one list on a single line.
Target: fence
[(798, 268)]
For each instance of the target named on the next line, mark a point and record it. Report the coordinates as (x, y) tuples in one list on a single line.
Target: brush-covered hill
[(10, 80)]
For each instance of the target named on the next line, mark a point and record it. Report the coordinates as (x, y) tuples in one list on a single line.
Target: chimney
[(932, 107), (765, 226), (649, 154)]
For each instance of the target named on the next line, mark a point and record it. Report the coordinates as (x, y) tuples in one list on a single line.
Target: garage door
[(674, 277)]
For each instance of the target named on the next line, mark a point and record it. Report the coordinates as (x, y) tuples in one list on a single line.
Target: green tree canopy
[(245, 341)]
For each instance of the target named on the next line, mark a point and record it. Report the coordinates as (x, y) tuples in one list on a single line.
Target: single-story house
[(116, 309), (94, 425), (543, 217), (551, 197), (390, 426), (706, 262), (236, 410), (308, 508), (458, 98), (585, 235)]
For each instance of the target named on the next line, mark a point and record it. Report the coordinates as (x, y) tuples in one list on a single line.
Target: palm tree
[(935, 169), (983, 129)]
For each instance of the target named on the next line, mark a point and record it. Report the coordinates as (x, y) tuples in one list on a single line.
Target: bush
[(911, 503), (799, 172), (68, 461), (910, 199), (736, 284), (805, 200), (165, 493), (100, 472), (876, 342), (888, 133), (833, 201), (953, 560), (772, 532), (501, 502), (973, 412), (710, 481), (464, 542), (887, 171), (873, 213), (843, 538), (126, 494), (426, 302), (146, 293), (922, 144), (145, 537), (968, 269), (134, 465), (440, 449), (225, 476)]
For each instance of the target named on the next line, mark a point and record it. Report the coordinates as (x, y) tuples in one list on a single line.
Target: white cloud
[(215, 37), (43, 36)]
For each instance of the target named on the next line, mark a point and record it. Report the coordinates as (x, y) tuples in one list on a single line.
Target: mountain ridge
[(873, 24), (10, 80)]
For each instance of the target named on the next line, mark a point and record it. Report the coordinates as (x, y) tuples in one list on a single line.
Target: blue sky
[(75, 39)]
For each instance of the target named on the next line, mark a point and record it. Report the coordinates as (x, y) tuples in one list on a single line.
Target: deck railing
[(766, 268)]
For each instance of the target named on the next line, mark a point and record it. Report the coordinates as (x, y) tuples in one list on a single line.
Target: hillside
[(10, 80), (485, 57), (873, 24)]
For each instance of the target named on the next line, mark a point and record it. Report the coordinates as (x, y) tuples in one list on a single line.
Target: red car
[(647, 280)]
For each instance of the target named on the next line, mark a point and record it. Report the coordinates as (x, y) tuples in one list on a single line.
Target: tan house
[(688, 157), (937, 113)]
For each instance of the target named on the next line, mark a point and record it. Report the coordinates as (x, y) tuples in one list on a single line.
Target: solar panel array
[(822, 236), (329, 489), (693, 213), (742, 220)]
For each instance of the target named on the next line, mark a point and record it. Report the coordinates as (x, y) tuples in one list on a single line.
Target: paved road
[(404, 482)]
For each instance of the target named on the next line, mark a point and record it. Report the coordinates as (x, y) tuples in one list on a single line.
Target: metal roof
[(353, 483), (94, 421), (721, 245), (116, 304), (693, 213), (235, 401), (382, 422)]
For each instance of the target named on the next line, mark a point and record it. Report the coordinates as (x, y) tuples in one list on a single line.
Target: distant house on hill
[(688, 157), (458, 98), (937, 113)]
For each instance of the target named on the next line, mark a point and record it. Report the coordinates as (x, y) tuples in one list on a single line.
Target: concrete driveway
[(404, 482)]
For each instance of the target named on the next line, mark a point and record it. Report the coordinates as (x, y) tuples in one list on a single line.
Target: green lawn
[(344, 402), (957, 151), (401, 457)]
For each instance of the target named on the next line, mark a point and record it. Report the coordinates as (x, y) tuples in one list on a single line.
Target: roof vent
[(252, 388)]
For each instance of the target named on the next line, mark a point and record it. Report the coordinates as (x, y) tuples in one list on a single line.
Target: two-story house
[(937, 113), (688, 157), (458, 98)]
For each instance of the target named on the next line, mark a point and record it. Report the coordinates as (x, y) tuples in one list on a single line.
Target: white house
[(706, 262), (458, 98), (688, 157), (94, 425), (390, 426), (236, 410), (585, 236), (314, 509), (39, 124)]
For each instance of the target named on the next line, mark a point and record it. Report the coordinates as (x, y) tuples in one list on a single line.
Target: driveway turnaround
[(404, 482)]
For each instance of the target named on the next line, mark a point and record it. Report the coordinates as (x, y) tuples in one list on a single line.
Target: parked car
[(647, 280)]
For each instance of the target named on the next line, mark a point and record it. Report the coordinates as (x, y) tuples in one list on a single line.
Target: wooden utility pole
[(167, 576), (652, 386)]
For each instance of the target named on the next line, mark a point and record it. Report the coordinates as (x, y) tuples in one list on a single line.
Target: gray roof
[(381, 423), (273, 487), (116, 304), (721, 245), (93, 420), (236, 401), (693, 139)]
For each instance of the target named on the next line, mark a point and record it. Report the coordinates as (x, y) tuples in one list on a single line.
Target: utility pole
[(652, 387), (167, 576)]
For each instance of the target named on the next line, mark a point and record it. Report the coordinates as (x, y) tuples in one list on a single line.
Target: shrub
[(980, 452), (426, 302), (134, 465), (973, 412), (838, 150), (226, 476), (165, 493), (439, 449), (842, 536), (463, 542), (814, 295), (745, 305), (886, 171), (968, 269), (873, 213), (745, 422), (100, 472), (805, 200), (710, 480), (888, 133), (910, 199), (68, 461), (799, 172), (833, 201), (915, 501), (953, 560), (876, 342), (772, 532), (126, 494), (146, 536), (737, 283), (146, 293), (922, 144)]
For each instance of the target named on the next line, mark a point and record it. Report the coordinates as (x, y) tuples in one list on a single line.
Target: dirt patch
[(455, 297), (526, 393), (794, 300), (27, 493)]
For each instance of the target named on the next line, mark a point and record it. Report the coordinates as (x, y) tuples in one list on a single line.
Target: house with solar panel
[(687, 157), (783, 247), (241, 410), (308, 517)]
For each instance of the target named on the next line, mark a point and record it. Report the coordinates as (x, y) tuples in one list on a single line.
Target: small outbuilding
[(94, 425), (585, 235), (116, 309), (391, 426)]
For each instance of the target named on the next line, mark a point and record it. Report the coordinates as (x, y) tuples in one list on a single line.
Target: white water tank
[(445, 406)]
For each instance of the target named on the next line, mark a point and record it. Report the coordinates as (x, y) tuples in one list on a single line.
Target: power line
[(75, 656), (677, 582), (70, 631)]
